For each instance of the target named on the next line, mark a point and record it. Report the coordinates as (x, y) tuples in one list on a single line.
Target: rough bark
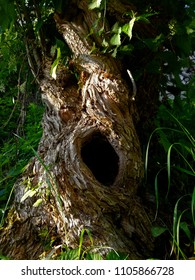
[(88, 165)]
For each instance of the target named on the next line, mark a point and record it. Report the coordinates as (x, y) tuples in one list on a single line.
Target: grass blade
[(81, 241), (148, 146), (176, 224), (156, 193), (193, 207), (177, 236), (175, 214), (6, 207), (169, 164), (187, 133)]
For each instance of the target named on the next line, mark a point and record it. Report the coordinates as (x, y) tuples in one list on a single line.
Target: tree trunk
[(88, 165)]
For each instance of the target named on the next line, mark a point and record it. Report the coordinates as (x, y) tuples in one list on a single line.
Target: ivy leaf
[(128, 27), (157, 231), (116, 40), (95, 4), (154, 43), (144, 17), (126, 49), (116, 28)]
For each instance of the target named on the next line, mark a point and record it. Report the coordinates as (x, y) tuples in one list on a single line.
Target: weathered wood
[(89, 163)]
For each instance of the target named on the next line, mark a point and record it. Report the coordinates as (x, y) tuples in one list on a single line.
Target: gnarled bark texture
[(89, 164)]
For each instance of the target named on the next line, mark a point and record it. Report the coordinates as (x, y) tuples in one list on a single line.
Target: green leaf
[(191, 27), (144, 17), (27, 194), (169, 166), (187, 133), (185, 170), (93, 256), (58, 53), (95, 4), (55, 64), (15, 171), (157, 231), (81, 240), (156, 191), (176, 224), (7, 14), (164, 140), (38, 202), (185, 228), (70, 254), (154, 43), (126, 49), (128, 27), (116, 40), (113, 255), (114, 53), (193, 206), (116, 28), (3, 194), (2, 257), (105, 43)]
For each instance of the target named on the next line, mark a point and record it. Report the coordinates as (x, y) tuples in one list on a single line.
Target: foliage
[(83, 252), (179, 154), (2, 257), (16, 152), (20, 114)]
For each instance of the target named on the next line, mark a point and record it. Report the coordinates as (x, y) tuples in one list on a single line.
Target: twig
[(133, 83)]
